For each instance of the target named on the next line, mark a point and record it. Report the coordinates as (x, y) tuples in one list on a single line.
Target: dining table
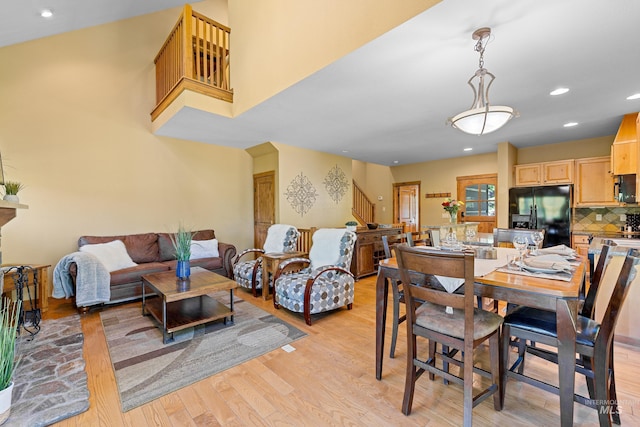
[(494, 280)]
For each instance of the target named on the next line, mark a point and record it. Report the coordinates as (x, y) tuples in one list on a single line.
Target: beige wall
[(324, 32), (591, 147), (376, 181), (75, 129), (315, 167), (440, 177)]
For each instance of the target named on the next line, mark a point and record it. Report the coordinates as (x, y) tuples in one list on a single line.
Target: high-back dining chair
[(464, 328), (503, 237), (323, 281), (594, 340), (419, 238), (388, 244), (248, 273)]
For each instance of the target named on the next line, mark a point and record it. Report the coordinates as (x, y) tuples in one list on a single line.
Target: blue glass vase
[(183, 269)]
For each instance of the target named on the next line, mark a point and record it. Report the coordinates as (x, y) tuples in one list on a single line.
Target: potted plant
[(8, 360), (351, 225), (182, 246), (11, 189)]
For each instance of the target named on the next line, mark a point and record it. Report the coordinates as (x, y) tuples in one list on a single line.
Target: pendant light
[(482, 117)]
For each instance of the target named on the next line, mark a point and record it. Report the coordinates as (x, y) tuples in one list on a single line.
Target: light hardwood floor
[(329, 380)]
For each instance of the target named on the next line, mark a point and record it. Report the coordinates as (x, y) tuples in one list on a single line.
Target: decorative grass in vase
[(182, 245), (8, 360)]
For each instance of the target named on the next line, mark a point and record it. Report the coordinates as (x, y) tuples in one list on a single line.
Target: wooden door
[(264, 207), (406, 206), (478, 193)]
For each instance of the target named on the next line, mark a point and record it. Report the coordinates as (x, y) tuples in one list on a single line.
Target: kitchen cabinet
[(624, 158), (594, 182), (580, 242), (547, 173), (369, 251), (624, 151)]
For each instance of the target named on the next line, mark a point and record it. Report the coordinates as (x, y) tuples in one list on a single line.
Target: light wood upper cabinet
[(624, 151), (594, 182), (624, 158), (527, 175), (557, 172), (548, 173)]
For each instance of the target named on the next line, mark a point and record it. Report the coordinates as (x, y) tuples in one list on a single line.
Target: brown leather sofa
[(154, 253)]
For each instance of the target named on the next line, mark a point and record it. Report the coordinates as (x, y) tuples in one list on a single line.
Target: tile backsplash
[(585, 219)]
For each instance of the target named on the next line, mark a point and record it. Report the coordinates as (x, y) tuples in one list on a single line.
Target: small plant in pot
[(8, 359), (351, 225), (11, 189), (182, 246)]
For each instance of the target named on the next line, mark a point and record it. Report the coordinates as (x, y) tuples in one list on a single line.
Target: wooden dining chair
[(594, 340), (419, 238), (463, 330), (388, 243)]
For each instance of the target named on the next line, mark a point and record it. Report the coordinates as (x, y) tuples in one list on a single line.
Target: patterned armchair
[(248, 274), (324, 283)]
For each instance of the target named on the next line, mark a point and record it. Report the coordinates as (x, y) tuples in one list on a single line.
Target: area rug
[(50, 381), (146, 369)]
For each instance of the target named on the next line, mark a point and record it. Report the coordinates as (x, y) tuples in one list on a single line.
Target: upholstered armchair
[(323, 281), (248, 273)]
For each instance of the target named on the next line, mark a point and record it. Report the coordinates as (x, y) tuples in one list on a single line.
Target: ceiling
[(388, 101)]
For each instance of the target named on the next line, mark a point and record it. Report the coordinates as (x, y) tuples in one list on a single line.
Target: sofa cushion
[(141, 247), (113, 255), (166, 250), (204, 249), (134, 274), (214, 263)]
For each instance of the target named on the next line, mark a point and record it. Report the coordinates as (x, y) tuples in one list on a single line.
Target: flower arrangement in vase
[(182, 245), (452, 206)]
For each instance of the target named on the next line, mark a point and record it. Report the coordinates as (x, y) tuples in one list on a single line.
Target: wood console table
[(369, 251), (43, 290)]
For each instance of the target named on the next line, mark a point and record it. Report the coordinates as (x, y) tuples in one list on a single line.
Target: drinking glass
[(470, 234), (520, 242), (537, 238)]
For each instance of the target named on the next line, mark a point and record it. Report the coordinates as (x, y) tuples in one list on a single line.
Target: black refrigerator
[(546, 207)]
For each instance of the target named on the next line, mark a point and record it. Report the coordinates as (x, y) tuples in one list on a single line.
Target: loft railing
[(195, 56), (362, 208)]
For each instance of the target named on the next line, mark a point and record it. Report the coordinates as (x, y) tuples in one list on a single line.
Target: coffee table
[(183, 304)]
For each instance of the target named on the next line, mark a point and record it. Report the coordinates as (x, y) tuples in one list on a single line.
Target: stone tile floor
[(50, 381)]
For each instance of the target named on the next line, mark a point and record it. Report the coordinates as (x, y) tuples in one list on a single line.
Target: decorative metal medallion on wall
[(336, 184), (301, 194)]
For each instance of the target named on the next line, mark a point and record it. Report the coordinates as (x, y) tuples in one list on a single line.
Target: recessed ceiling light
[(570, 124), (467, 149), (46, 13), (559, 91), (345, 151), (634, 96), (396, 162)]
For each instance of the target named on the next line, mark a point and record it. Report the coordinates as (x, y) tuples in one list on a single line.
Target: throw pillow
[(113, 255), (204, 249)]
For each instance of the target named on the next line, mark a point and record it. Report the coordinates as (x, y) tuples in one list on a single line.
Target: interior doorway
[(406, 204), (478, 192), (264, 206)]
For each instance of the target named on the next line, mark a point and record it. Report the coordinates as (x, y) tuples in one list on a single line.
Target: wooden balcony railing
[(195, 56), (362, 209)]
